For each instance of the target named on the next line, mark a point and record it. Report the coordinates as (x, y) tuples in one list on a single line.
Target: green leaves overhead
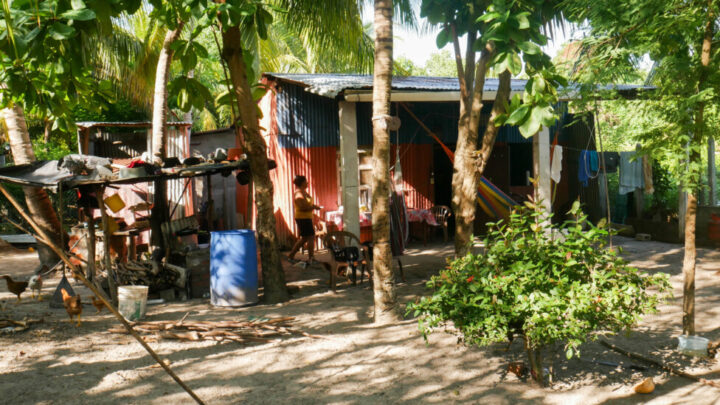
[(42, 66), (514, 30), (189, 93)]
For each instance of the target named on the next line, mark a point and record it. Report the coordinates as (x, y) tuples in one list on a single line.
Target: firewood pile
[(150, 274), (9, 326), (256, 331)]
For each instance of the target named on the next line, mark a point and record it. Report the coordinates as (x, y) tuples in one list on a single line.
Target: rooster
[(73, 305), (15, 287), (36, 283)]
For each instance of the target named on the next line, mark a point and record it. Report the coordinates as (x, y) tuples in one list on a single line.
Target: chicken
[(15, 287), (73, 305), (98, 304), (36, 283)]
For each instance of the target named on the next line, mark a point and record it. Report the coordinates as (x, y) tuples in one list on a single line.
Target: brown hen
[(73, 305), (15, 287)]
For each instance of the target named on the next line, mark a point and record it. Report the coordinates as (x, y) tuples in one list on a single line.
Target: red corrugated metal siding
[(416, 161), (318, 164)]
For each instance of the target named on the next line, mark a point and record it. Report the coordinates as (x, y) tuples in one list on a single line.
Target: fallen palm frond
[(257, 331)]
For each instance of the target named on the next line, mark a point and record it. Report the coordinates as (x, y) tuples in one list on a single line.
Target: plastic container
[(132, 301), (693, 345), (115, 203), (234, 153), (233, 268)]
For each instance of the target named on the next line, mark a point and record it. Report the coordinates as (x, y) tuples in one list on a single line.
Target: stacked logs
[(256, 331), (150, 274)]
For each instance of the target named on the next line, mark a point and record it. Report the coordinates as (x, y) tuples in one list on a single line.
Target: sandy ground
[(355, 362)]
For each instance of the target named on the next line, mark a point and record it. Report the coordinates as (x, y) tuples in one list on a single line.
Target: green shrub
[(547, 284)]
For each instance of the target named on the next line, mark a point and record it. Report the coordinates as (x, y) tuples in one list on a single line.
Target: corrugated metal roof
[(332, 84), (139, 124)]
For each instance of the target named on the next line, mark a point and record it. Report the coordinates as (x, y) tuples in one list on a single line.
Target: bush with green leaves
[(548, 284)]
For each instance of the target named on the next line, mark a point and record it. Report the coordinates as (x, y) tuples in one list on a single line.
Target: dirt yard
[(354, 362)]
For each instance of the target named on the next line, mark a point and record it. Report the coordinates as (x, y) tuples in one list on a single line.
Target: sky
[(419, 46)]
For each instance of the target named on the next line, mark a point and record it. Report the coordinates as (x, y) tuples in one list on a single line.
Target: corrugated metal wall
[(416, 162), (178, 145), (303, 137), (293, 156), (119, 143)]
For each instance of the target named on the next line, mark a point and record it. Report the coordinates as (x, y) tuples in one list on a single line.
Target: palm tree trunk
[(38, 202), (691, 208), (386, 308), (159, 133), (160, 108), (256, 149)]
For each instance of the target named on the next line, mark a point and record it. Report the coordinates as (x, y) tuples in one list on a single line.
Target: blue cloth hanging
[(587, 166)]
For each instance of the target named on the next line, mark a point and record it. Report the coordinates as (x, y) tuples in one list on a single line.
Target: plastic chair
[(441, 214), (347, 252)]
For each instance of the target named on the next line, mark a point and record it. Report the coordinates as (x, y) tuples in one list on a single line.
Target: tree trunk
[(38, 202), (691, 209), (689, 266), (535, 359), (386, 308), (256, 149), (160, 108), (467, 172), (159, 134)]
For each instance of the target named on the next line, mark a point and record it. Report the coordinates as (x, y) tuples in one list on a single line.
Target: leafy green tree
[(501, 31), (681, 38), (548, 285), (441, 64), (44, 72)]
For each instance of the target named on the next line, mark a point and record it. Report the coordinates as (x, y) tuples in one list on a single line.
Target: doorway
[(442, 181)]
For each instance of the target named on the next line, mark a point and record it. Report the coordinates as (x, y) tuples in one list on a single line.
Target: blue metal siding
[(306, 120)]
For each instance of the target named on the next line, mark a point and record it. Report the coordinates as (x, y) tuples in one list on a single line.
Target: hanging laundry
[(647, 175), (588, 166), (612, 160), (631, 173), (556, 165)]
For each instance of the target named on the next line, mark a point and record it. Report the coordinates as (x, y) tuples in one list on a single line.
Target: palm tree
[(386, 310), (38, 202)]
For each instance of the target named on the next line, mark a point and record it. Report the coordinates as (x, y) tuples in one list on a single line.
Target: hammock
[(490, 198)]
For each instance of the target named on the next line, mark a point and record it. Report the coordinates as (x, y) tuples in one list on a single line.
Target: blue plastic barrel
[(233, 268)]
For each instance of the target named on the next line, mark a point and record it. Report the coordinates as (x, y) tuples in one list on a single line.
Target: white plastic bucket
[(132, 301), (693, 345)]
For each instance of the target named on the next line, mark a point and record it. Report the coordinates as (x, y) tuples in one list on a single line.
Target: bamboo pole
[(42, 237), (99, 192), (90, 237)]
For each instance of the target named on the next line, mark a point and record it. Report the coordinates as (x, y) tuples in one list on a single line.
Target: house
[(319, 125)]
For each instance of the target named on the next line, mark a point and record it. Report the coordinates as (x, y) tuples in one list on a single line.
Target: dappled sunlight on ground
[(353, 361)]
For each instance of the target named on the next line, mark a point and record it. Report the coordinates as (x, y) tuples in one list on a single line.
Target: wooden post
[(99, 192), (711, 171), (349, 163), (639, 196), (210, 208), (541, 168), (90, 221)]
